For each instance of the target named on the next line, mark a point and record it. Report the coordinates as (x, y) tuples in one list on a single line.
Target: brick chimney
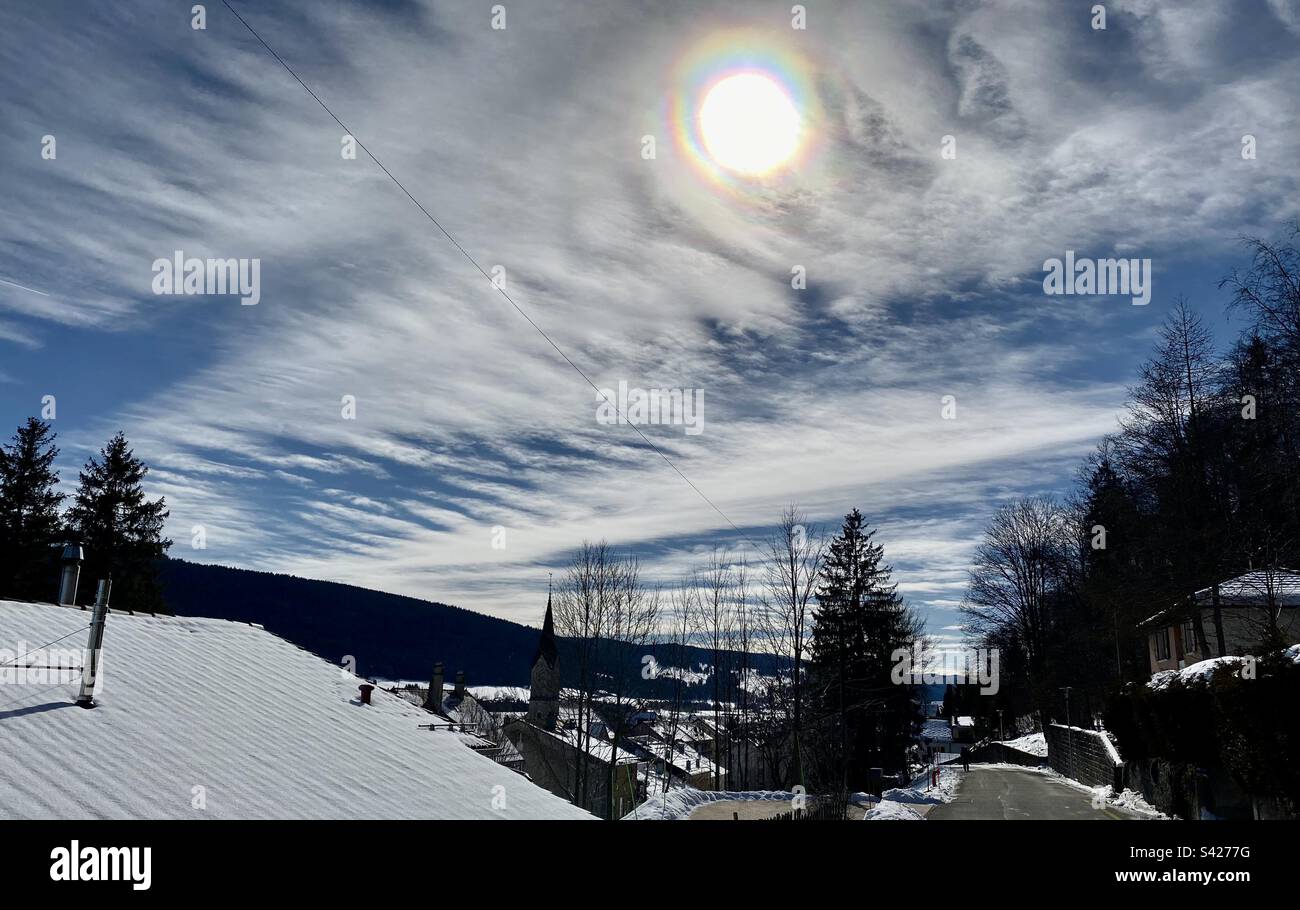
[(460, 684), (434, 699)]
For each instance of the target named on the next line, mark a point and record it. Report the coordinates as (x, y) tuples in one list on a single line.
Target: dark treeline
[(389, 636), (1201, 483), (108, 515)]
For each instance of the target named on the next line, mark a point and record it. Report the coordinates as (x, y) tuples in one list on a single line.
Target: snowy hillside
[(228, 715)]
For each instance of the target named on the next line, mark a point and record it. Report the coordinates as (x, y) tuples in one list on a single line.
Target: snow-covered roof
[(1255, 588), (685, 757), (936, 730), (265, 729), (1251, 589)]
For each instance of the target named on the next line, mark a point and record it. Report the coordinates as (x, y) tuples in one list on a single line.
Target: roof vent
[(72, 559)]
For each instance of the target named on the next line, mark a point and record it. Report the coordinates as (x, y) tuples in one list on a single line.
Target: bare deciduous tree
[(1026, 548), (795, 554)]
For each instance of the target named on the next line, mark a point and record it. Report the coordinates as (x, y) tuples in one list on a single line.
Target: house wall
[(1242, 629), (551, 763)]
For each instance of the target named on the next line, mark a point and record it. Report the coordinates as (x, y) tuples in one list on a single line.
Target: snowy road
[(1012, 793)]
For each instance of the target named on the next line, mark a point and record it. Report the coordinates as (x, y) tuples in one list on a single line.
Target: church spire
[(544, 681), (546, 646)]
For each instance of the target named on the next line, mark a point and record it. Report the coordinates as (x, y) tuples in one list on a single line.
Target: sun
[(749, 125)]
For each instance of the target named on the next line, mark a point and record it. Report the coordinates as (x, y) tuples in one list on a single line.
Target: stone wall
[(1085, 755)]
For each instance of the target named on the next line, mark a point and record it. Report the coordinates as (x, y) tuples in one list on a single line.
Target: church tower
[(544, 696)]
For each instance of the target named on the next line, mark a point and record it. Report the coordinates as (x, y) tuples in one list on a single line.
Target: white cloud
[(525, 145)]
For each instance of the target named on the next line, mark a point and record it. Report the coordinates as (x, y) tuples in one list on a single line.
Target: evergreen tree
[(1113, 596), (859, 622), (120, 529), (29, 513)]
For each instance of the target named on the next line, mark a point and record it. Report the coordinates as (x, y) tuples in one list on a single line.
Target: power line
[(481, 270)]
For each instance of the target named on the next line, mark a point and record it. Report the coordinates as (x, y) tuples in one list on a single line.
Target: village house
[(935, 740), (458, 713), (1250, 608)]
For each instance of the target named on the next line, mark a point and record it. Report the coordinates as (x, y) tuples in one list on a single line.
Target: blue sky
[(924, 273)]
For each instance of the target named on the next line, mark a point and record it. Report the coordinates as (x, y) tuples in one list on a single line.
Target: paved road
[(1009, 793)]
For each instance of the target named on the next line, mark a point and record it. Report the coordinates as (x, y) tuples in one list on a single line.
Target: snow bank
[(892, 812), (1198, 673), (950, 778), (1132, 801), (895, 804), (1033, 744)]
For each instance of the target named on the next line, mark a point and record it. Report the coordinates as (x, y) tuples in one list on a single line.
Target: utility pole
[(90, 666)]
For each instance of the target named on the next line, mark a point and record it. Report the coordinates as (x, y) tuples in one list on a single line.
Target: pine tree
[(29, 513), (120, 529), (859, 622)]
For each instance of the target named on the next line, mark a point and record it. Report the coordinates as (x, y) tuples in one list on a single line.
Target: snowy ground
[(911, 803), (680, 802), (1033, 744), (893, 812)]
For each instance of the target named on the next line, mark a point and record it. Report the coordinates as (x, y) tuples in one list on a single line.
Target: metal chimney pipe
[(90, 666), (71, 559), (460, 684)]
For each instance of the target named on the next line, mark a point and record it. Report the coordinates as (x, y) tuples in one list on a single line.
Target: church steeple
[(546, 645), (544, 694)]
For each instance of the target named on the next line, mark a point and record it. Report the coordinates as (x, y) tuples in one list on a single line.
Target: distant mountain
[(390, 636)]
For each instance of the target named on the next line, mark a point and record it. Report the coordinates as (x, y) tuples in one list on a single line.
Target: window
[(1189, 636), (1162, 644)]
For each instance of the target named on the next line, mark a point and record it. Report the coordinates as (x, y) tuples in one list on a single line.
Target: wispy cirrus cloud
[(923, 271)]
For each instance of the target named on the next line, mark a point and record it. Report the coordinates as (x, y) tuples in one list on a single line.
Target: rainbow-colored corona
[(729, 53)]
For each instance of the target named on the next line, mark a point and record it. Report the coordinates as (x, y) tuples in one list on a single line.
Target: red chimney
[(366, 689)]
